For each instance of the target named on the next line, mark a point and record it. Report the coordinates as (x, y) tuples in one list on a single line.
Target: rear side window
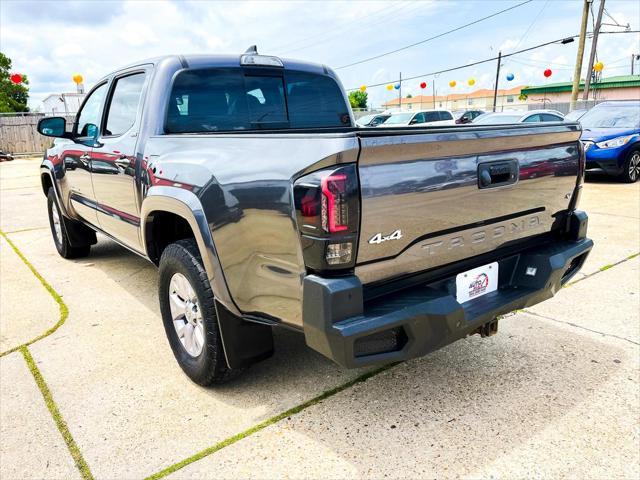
[(445, 116), (123, 107), (431, 117), (230, 99)]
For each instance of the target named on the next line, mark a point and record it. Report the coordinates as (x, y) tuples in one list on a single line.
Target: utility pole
[(634, 57), (495, 89), (592, 56), (400, 92), (433, 85), (580, 55)]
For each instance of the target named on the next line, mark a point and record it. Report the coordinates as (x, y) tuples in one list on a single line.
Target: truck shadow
[(460, 408)]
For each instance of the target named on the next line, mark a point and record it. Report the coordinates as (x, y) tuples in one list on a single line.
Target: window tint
[(90, 113), (532, 118), (214, 100), (123, 107), (431, 117), (419, 118), (445, 116), (547, 117), (315, 101)]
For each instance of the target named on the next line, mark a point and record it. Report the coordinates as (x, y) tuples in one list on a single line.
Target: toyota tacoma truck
[(245, 179)]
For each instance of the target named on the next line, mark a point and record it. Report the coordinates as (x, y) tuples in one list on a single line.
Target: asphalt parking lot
[(555, 394)]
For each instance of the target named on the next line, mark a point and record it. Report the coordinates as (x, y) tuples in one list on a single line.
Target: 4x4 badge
[(379, 238)]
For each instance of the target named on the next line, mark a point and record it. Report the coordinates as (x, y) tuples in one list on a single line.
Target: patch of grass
[(64, 311), (57, 417), (261, 426)]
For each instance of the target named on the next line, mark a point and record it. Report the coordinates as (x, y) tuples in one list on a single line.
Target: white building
[(62, 103)]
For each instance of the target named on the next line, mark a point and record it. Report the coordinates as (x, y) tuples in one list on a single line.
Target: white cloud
[(50, 41)]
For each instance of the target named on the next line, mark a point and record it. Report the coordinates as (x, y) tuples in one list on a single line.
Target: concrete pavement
[(554, 394)]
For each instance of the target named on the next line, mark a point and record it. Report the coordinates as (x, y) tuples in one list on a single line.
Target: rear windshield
[(231, 99)]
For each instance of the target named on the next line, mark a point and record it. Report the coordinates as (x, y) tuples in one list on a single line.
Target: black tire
[(631, 169), (210, 366), (61, 235)]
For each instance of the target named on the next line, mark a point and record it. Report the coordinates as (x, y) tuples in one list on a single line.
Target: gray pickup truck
[(246, 181)]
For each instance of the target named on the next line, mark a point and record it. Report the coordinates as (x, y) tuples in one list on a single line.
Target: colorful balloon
[(472, 82), (598, 66), (452, 83), (548, 72), (423, 85), (389, 87), (77, 78), (396, 86), (16, 78), (510, 76)]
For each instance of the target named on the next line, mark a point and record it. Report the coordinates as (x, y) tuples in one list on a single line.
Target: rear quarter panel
[(244, 182)]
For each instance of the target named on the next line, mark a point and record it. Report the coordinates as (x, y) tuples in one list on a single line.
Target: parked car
[(467, 116), (243, 179), (422, 118), (575, 115), (611, 138), (532, 116), (372, 120)]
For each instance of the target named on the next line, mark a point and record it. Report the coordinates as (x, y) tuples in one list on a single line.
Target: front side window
[(228, 99), (532, 118), (89, 116), (123, 108)]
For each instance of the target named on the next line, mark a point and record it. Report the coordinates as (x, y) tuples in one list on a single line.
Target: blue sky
[(52, 40)]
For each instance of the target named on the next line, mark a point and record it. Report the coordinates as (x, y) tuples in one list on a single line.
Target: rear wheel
[(189, 315), (59, 230), (631, 169)]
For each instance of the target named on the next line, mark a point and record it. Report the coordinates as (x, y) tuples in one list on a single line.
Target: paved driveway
[(554, 394)]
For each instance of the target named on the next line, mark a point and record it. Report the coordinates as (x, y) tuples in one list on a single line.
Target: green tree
[(409, 95), (13, 98), (358, 99)]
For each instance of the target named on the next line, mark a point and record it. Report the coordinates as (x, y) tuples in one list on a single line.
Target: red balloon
[(423, 85), (547, 72), (16, 78)]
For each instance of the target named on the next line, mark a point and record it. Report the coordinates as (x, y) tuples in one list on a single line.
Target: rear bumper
[(413, 322)]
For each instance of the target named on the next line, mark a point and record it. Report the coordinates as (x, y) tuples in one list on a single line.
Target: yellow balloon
[(452, 83), (77, 78), (389, 87), (598, 66), (472, 82), (363, 88)]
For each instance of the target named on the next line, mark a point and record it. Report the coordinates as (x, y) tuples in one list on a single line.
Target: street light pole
[(580, 55), (592, 56), (400, 92), (495, 89)]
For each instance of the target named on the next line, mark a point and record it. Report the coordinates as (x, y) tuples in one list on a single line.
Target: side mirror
[(53, 127), (413, 121)]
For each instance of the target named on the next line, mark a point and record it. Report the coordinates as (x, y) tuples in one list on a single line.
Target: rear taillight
[(328, 212)]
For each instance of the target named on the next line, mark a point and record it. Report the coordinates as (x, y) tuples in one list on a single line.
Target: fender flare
[(186, 205), (243, 342), (48, 168)]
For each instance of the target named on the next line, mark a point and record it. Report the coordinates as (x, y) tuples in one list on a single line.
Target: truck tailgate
[(437, 196)]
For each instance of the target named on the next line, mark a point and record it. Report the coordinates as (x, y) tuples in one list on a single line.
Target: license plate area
[(476, 282)]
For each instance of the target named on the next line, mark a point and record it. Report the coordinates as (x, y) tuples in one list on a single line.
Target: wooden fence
[(18, 134)]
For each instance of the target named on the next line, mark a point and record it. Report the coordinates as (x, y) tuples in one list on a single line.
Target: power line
[(435, 36), (559, 40)]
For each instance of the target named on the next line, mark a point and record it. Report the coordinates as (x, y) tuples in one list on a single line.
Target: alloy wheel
[(186, 314)]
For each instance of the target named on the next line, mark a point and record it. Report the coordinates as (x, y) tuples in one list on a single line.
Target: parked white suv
[(420, 118)]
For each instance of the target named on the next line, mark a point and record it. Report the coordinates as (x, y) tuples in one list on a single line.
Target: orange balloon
[(77, 78)]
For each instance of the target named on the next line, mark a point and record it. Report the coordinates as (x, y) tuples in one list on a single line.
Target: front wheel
[(631, 169), (189, 316), (59, 230)]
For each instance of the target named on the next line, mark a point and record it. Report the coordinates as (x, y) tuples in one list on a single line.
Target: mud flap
[(244, 343)]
